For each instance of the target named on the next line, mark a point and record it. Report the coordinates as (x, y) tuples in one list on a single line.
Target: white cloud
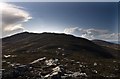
[(111, 36), (70, 30), (93, 33), (15, 27), (13, 18)]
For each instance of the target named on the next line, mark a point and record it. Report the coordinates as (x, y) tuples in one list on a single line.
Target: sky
[(91, 20), (60, 0)]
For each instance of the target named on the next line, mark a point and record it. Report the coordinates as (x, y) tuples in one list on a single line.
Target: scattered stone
[(7, 56), (78, 74), (3, 61), (40, 59), (50, 62), (78, 62), (95, 64), (94, 71)]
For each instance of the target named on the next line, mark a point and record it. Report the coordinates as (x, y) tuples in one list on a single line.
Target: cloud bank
[(13, 18), (93, 33)]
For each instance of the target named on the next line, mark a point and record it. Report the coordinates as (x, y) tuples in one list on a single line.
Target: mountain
[(24, 42), (102, 42), (57, 56)]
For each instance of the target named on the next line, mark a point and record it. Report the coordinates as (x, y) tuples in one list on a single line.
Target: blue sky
[(60, 0), (61, 15), (77, 18)]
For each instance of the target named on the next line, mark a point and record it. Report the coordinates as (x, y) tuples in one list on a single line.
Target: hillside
[(25, 42), (71, 55)]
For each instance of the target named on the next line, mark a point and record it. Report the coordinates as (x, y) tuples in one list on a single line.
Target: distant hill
[(103, 42), (107, 44)]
